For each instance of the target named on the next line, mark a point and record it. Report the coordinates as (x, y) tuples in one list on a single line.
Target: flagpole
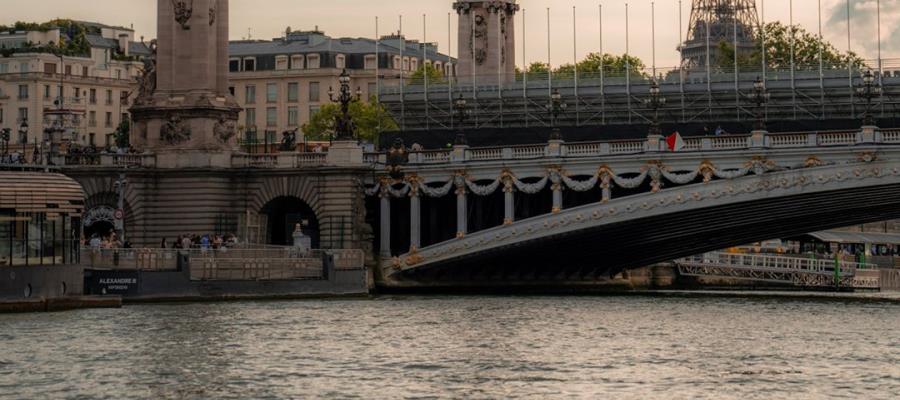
[(653, 35), (575, 62), (402, 91), (425, 65), (377, 66), (602, 94), (793, 67), (524, 69), (627, 64), (821, 63), (762, 30), (549, 65), (737, 92), (450, 74)]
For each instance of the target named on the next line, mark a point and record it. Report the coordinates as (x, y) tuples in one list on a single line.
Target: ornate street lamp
[(655, 101), (343, 124), (868, 90), (119, 185), (761, 98), (462, 112), (4, 136), (557, 107), (23, 132)]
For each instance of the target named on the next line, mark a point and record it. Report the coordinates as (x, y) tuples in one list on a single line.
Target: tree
[(612, 65), (122, 135), (370, 119), (778, 51), (435, 75)]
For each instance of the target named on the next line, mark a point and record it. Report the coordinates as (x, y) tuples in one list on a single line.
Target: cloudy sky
[(265, 19)]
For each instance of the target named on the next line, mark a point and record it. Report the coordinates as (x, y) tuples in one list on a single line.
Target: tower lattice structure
[(713, 22)]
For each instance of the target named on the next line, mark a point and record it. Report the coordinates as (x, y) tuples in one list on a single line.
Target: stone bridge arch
[(647, 228), (100, 201)]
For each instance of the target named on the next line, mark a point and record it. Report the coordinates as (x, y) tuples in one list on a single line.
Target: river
[(631, 347)]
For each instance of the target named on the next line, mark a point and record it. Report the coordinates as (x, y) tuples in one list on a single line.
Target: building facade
[(281, 83), (95, 86)]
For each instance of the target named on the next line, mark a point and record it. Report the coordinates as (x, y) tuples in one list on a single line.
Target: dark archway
[(283, 214)]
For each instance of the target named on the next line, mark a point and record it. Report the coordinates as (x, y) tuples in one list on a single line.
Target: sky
[(266, 19)]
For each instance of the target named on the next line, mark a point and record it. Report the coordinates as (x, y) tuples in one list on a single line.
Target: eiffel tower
[(712, 22)]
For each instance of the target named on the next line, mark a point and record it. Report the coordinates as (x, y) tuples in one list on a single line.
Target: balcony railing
[(278, 160)]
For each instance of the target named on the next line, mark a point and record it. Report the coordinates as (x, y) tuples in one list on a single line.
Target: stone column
[(221, 20), (385, 196), (556, 186), (462, 227), (415, 218), (509, 201)]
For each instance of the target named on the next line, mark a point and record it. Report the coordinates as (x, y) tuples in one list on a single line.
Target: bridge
[(574, 211), (773, 268)]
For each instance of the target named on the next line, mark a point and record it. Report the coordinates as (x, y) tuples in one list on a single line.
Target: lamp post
[(462, 112), (868, 90), (120, 185), (4, 136), (343, 124), (23, 135), (556, 107), (655, 101), (761, 98)]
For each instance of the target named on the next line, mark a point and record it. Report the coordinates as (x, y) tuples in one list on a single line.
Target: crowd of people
[(203, 242)]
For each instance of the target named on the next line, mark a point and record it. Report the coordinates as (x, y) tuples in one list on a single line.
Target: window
[(108, 121), (23, 67), (1, 115), (60, 92), (84, 71), (234, 65), (46, 92), (109, 97), (231, 90), (68, 70), (293, 116), (370, 62), (118, 74), (340, 61), (23, 114), (297, 61), (312, 61), (281, 63), (293, 92), (373, 90), (92, 141), (313, 110), (23, 92), (93, 96), (271, 92), (314, 91), (250, 94), (396, 62), (250, 117), (271, 116), (249, 64), (92, 119), (414, 64), (77, 93), (271, 136), (4, 68), (49, 68), (406, 63)]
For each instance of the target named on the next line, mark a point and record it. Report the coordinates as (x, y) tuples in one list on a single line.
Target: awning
[(857, 237)]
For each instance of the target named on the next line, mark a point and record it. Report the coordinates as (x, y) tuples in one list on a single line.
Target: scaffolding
[(614, 97)]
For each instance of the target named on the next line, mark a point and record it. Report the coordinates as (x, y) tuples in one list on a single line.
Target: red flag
[(675, 142)]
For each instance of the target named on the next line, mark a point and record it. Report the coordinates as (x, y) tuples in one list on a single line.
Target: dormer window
[(281, 63), (250, 64), (396, 62), (312, 61), (297, 61), (371, 62), (340, 61)]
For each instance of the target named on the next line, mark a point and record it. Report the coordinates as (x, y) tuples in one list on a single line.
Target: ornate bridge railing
[(797, 271)]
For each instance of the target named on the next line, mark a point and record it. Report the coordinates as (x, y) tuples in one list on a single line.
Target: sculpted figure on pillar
[(486, 40)]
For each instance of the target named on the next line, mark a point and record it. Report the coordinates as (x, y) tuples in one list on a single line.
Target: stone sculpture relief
[(183, 12), (224, 130), (479, 43), (174, 131)]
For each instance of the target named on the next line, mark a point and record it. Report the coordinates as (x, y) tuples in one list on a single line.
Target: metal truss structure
[(817, 92), (715, 21)]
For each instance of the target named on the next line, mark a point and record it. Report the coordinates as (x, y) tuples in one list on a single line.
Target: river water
[(459, 347)]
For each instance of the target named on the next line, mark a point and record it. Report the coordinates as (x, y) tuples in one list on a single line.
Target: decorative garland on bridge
[(556, 177)]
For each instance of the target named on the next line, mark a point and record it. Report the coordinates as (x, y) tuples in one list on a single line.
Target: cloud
[(864, 24)]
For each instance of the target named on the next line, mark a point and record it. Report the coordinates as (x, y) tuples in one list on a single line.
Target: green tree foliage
[(435, 75), (72, 42), (612, 66), (778, 50), (122, 135), (370, 118)]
